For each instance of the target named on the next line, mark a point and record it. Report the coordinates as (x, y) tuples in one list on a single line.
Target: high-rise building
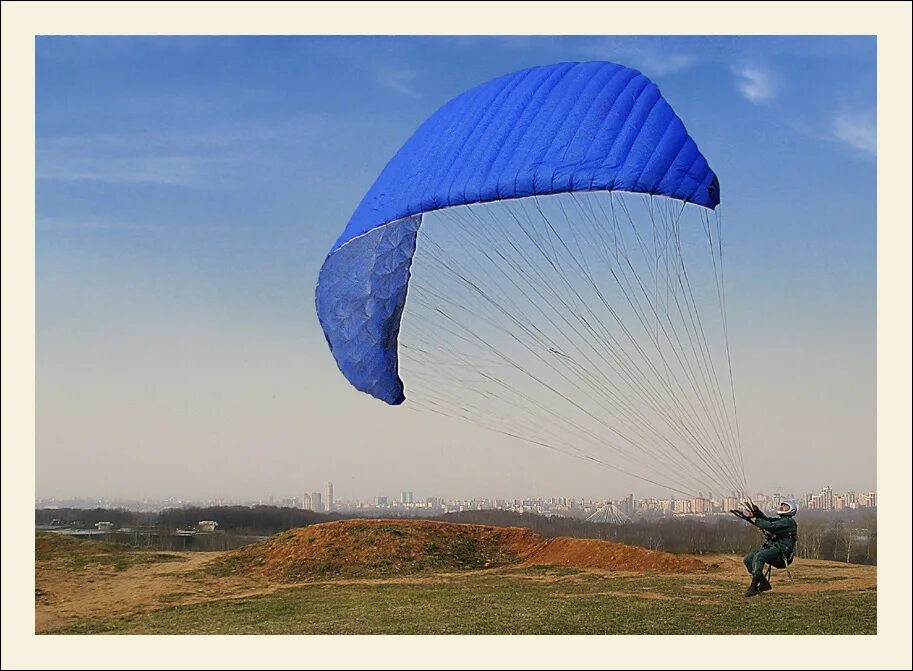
[(329, 504), (816, 502), (407, 497), (701, 505), (316, 502), (828, 496), (866, 500), (681, 506), (628, 505), (306, 501), (380, 500)]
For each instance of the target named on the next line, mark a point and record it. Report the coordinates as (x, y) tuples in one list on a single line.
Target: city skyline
[(825, 499)]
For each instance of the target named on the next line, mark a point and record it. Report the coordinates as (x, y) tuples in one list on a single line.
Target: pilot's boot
[(753, 588)]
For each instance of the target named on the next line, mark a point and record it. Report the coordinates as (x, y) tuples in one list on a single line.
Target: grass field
[(77, 553), (181, 597)]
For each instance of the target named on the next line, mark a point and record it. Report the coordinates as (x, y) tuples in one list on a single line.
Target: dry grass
[(185, 595)]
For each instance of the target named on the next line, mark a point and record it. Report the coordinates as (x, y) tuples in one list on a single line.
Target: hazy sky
[(188, 190)]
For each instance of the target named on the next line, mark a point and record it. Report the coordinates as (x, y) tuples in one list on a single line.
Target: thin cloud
[(667, 64), (168, 170), (171, 158), (856, 129), (399, 79), (650, 58), (755, 84), (166, 158), (55, 225), (230, 156), (383, 63)]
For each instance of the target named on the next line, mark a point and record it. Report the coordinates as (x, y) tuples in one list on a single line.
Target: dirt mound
[(585, 553), (352, 548), (377, 548), (50, 545)]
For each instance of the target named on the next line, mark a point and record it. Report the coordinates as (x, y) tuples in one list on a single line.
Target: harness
[(772, 540)]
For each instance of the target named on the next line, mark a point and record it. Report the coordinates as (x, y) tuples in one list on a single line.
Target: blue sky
[(189, 188)]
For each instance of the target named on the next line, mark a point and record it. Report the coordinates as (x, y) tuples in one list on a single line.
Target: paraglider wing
[(552, 129)]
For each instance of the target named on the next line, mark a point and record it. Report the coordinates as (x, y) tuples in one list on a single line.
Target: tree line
[(243, 520), (849, 537)]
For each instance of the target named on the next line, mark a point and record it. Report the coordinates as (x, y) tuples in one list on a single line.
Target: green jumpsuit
[(778, 550)]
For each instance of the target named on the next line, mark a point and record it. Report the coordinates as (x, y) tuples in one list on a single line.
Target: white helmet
[(787, 513)]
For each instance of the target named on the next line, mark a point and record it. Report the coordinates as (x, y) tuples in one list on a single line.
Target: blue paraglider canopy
[(568, 127)]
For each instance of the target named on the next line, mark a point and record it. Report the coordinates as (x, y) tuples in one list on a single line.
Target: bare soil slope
[(382, 548), (585, 553)]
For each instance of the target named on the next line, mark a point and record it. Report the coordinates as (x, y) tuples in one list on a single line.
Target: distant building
[(104, 526), (329, 504), (207, 525), (306, 502), (407, 497), (316, 502), (827, 500), (700, 505), (828, 496), (380, 500), (681, 506), (866, 500), (628, 505)]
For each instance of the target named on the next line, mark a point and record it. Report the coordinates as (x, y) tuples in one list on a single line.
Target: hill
[(379, 548)]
